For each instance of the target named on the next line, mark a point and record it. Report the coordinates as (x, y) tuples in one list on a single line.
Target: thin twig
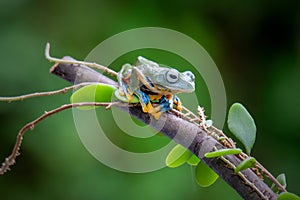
[(93, 65), (49, 93), (268, 174), (244, 178), (202, 116), (227, 141), (10, 160)]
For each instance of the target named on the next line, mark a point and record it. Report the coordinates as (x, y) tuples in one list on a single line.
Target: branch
[(194, 138), (40, 94), (72, 61), (79, 74), (10, 160)]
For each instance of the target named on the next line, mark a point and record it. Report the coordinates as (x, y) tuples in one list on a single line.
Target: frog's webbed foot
[(124, 90), (177, 102), (156, 115), (146, 104), (144, 100), (165, 104)]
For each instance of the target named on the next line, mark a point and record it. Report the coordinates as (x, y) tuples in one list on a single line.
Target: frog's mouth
[(179, 87), (185, 90)]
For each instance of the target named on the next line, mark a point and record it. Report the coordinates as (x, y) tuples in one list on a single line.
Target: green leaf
[(222, 152), (134, 99), (193, 160), (245, 164), (177, 156), (93, 93), (282, 180), (205, 176), (242, 125), (288, 196)]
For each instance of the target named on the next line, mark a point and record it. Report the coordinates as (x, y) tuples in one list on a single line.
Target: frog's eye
[(172, 76), (189, 74)]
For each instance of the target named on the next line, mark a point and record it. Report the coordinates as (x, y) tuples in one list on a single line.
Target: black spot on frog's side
[(149, 81)]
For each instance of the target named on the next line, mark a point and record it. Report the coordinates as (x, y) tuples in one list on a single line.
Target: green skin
[(149, 81)]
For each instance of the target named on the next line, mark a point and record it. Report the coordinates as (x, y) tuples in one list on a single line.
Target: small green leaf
[(134, 99), (288, 196), (245, 164), (205, 176), (282, 180), (222, 152), (177, 156), (242, 125), (93, 93), (193, 160)]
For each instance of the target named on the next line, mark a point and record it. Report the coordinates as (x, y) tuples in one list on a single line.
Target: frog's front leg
[(123, 80), (136, 81)]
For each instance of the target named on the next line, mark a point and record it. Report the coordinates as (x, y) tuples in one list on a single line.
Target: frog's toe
[(129, 97), (147, 108), (178, 106), (156, 112), (154, 97), (177, 102), (156, 115), (121, 92), (155, 109)]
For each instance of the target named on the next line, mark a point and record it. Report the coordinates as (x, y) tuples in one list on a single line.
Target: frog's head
[(174, 81), (165, 78)]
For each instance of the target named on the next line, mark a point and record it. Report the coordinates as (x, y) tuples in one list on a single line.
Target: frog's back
[(148, 67)]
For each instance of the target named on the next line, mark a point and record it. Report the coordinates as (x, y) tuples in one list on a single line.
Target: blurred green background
[(255, 44)]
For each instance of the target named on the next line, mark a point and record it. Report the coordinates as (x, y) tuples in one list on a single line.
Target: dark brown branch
[(247, 184), (79, 74)]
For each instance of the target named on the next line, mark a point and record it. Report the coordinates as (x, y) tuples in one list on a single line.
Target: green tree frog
[(152, 83)]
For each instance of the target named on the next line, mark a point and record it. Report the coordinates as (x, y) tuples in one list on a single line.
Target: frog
[(154, 84)]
